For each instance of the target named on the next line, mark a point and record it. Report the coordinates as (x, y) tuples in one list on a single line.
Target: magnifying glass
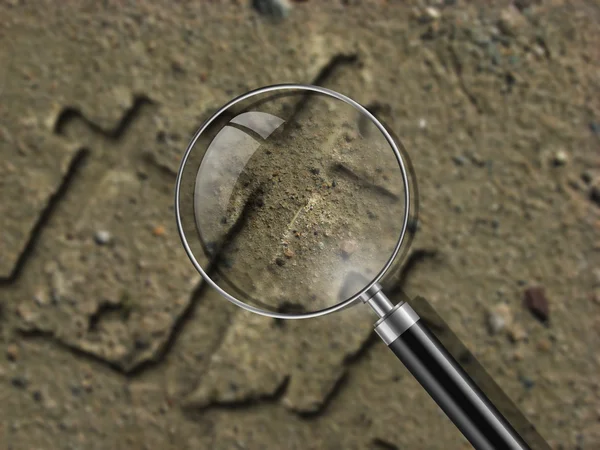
[(293, 202)]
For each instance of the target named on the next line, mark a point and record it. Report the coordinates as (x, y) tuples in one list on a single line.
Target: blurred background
[(111, 341)]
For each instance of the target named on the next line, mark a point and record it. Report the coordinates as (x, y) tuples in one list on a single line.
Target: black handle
[(454, 391)]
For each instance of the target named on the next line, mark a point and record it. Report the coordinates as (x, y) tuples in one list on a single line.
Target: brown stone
[(517, 333), (12, 352), (348, 247), (537, 303), (544, 345)]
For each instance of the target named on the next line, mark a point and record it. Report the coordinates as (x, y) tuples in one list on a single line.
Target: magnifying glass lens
[(290, 193)]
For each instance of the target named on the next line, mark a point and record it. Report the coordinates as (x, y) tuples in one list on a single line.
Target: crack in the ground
[(395, 292), (334, 64), (105, 310), (324, 75), (276, 396), (33, 334), (333, 393), (131, 371), (161, 171), (384, 445), (342, 381), (65, 118), (344, 170), (223, 246), (76, 163), (70, 114), (246, 403), (413, 259), (178, 327)]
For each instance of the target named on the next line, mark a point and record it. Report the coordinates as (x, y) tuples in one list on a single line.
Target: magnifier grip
[(446, 382)]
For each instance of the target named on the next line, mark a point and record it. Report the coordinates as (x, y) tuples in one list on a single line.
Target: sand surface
[(110, 340)]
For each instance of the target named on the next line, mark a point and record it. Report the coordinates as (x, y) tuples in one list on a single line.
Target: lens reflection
[(295, 193)]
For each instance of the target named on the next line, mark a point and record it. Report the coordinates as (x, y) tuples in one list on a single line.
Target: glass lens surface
[(294, 199)]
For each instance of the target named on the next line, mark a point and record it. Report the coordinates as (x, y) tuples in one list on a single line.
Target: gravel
[(102, 237)]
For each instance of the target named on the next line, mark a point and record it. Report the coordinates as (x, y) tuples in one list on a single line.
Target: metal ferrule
[(377, 300), (396, 322)]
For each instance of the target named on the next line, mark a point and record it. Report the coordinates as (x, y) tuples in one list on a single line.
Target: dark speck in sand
[(19, 382), (527, 382)]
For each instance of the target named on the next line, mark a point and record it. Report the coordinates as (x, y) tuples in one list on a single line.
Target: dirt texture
[(110, 338)]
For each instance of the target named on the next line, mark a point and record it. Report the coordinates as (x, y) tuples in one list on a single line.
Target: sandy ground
[(110, 339)]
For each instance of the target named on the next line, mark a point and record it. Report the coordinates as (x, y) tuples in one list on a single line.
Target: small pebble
[(26, 313), (40, 298), (315, 171), (288, 252), (527, 382), (495, 323), (278, 9), (544, 345), (158, 230), (19, 382), (102, 237), (422, 124), (280, 262), (161, 137), (459, 160), (560, 158), (12, 352), (178, 64), (86, 385), (511, 20), (431, 13), (539, 50), (516, 333), (37, 396), (537, 303), (499, 318), (349, 137), (587, 177), (348, 247)]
